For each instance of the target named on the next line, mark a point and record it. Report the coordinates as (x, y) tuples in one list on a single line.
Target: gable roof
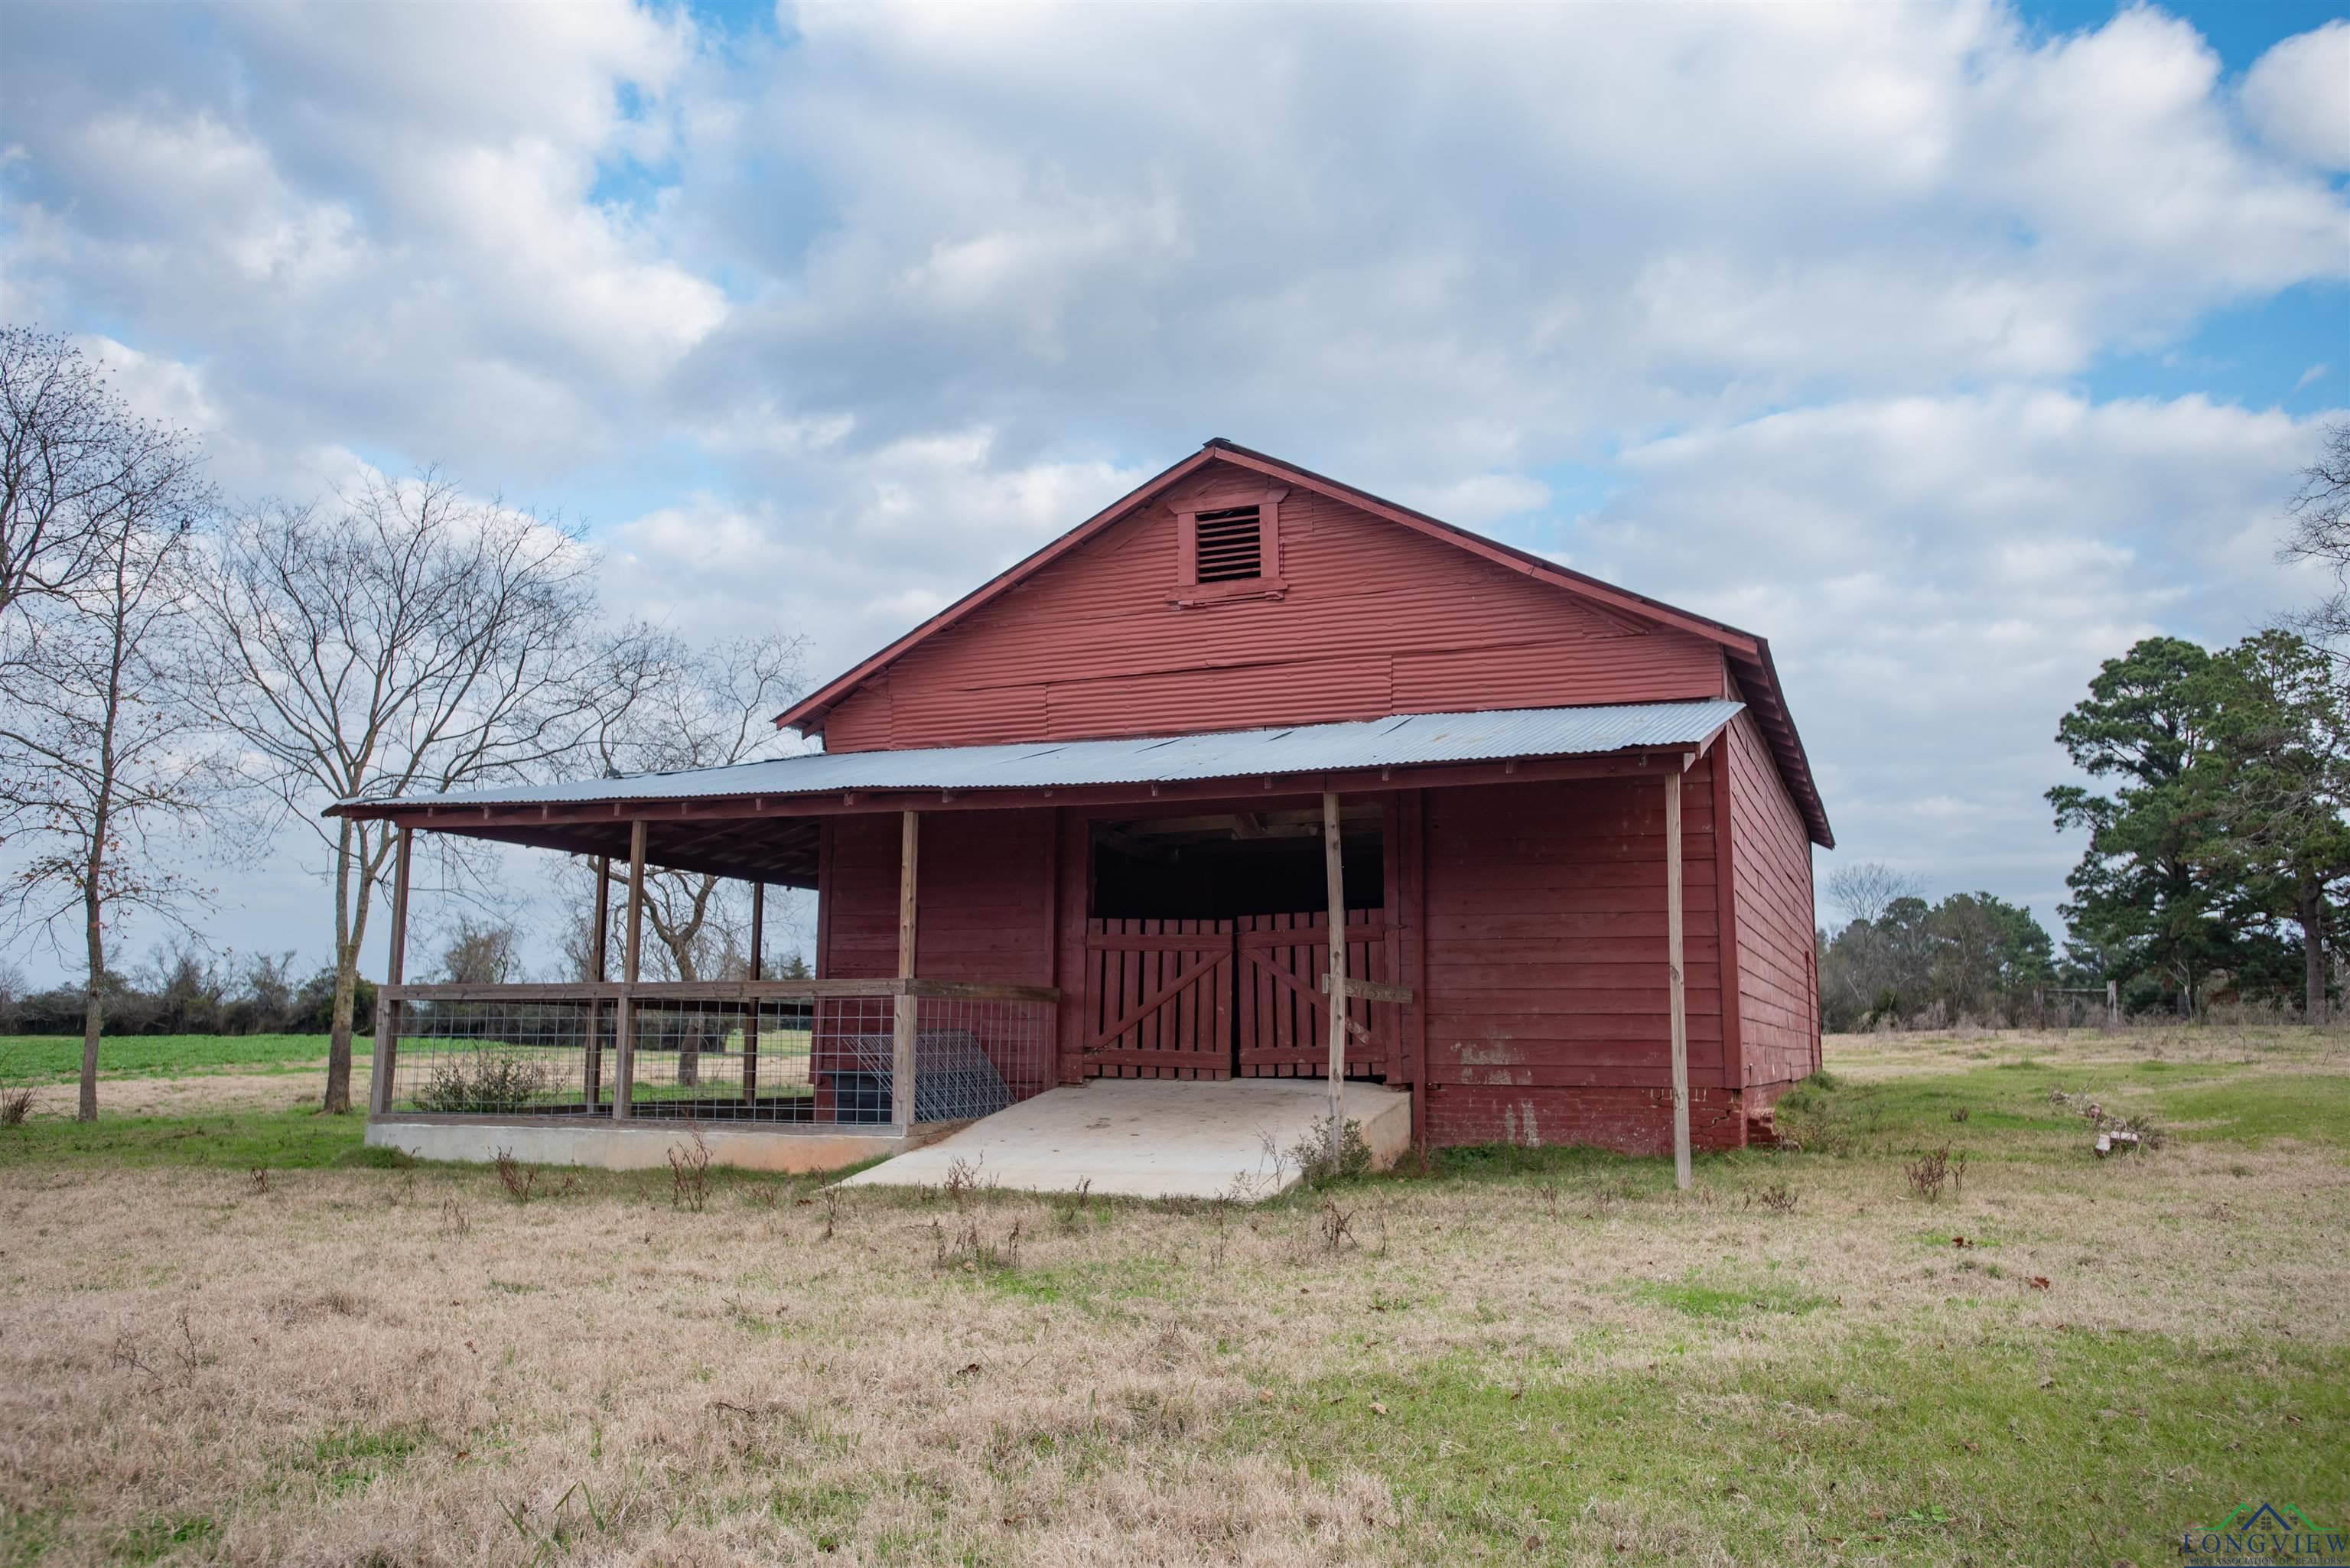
[(1749, 655)]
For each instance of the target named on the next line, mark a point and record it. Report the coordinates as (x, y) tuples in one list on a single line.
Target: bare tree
[(2318, 529), (400, 639), (714, 708), (482, 952), (72, 456), (1865, 891), (100, 744)]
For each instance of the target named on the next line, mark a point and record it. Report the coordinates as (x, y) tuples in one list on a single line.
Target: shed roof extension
[(760, 819), (1412, 740)]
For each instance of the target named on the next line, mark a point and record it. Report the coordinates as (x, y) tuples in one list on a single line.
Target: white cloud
[(865, 549), (1547, 221), (394, 225), (2298, 95), (1480, 500), (846, 320), (1940, 576)]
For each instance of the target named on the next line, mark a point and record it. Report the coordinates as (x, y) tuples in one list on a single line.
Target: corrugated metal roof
[(1403, 741)]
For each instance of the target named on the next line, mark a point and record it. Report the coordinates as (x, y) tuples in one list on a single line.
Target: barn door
[(1284, 1027), (1158, 999)]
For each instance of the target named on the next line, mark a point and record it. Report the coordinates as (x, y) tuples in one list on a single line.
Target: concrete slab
[(1147, 1137), (631, 1145)]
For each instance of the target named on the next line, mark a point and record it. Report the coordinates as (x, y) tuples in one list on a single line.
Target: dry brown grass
[(201, 1094), (720, 1386), (1898, 1053), (405, 1367)]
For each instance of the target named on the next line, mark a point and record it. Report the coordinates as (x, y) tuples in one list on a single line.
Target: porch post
[(624, 1042), (1673, 973), (598, 939), (395, 967), (751, 1019), (901, 1045), (1335, 876)]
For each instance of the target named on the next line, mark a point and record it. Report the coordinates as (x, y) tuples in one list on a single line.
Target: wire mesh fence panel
[(973, 1057), (533, 1058), (825, 1059), (723, 1060)]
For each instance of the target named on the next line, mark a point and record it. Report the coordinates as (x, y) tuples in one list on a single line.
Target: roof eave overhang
[(458, 817)]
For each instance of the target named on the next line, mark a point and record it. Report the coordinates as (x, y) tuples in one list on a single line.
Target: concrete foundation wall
[(643, 1145)]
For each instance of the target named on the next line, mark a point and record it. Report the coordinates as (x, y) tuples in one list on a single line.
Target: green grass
[(2065, 1447), (349, 1458), (2257, 1108), (2008, 1112), (164, 1536), (57, 1059), (1689, 1377), (1702, 1299), (294, 1140)]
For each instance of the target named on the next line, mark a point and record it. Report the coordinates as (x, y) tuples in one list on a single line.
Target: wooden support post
[(901, 1045), (1334, 873), (598, 937), (751, 1018), (395, 968), (624, 1042), (1673, 973)]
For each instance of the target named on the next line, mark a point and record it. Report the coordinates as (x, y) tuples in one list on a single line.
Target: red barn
[(1092, 820)]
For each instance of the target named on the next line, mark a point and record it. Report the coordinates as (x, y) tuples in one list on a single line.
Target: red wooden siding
[(1778, 1000), (1377, 619), (984, 909), (1530, 918), (1544, 960)]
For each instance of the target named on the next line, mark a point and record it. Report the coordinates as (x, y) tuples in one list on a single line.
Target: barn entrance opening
[(1207, 938), (1222, 867)]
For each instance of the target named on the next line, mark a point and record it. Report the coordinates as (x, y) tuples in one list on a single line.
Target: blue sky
[(1951, 347)]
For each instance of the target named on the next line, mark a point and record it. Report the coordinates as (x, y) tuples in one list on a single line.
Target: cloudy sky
[(1952, 348)]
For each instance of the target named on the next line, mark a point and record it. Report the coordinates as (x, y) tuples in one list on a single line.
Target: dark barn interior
[(1223, 867)]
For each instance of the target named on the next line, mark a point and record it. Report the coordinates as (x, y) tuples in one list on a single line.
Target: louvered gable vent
[(1230, 545)]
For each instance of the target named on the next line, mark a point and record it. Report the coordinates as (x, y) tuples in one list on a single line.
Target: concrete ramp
[(1151, 1137)]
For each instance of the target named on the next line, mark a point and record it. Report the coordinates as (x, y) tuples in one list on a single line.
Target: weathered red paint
[(1525, 910), (1779, 1014), (986, 907), (1375, 621), (1100, 633)]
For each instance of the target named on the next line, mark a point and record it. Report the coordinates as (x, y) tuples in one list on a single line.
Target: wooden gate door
[(1284, 1028), (1158, 999)]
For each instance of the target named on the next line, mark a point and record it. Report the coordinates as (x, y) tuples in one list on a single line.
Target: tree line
[(1897, 959), (182, 673), (2218, 850), (182, 989)]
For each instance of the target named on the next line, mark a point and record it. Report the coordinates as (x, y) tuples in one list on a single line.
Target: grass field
[(1514, 1355), (54, 1059)]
